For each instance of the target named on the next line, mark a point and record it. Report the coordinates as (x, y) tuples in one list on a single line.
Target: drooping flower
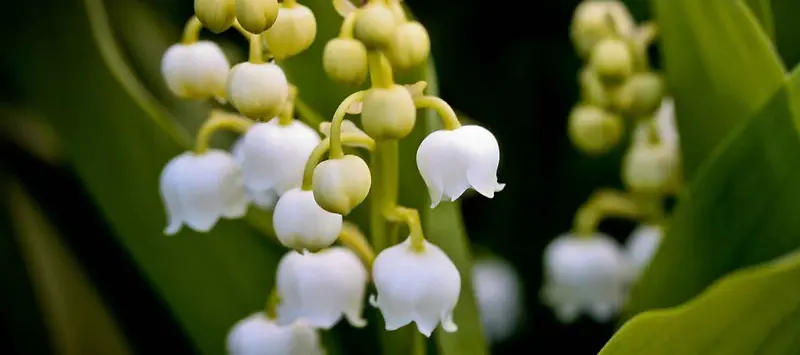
[(265, 199), (641, 246), (416, 286), (195, 71), (498, 295), (198, 189), (321, 287), (258, 335), (451, 161), (584, 274), (300, 223)]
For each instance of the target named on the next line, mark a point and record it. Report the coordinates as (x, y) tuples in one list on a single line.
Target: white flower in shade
[(195, 71), (274, 156), (321, 287), (264, 199), (451, 161), (300, 223), (258, 90), (198, 189), (641, 246), (416, 286), (665, 125), (584, 274), (258, 335), (498, 295)]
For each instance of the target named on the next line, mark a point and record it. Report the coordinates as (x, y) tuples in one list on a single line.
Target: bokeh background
[(509, 66)]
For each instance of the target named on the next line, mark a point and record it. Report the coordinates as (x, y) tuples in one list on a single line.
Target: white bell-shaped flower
[(584, 274), (451, 161), (641, 247), (498, 295), (198, 189), (321, 287), (300, 223), (265, 199), (416, 286), (258, 335), (195, 71), (274, 156)]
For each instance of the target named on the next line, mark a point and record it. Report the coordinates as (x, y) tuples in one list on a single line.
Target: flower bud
[(195, 71), (256, 16), (594, 130), (216, 15), (345, 61), (375, 25), (258, 90), (596, 20), (300, 223), (649, 167), (341, 184), (388, 113), (612, 60), (292, 33), (409, 47), (640, 95)]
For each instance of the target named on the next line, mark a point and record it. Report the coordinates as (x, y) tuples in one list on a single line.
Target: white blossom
[(498, 295), (257, 90), (198, 70), (451, 161), (321, 287), (641, 246), (258, 335), (198, 189), (300, 223), (416, 286), (584, 274), (265, 199)]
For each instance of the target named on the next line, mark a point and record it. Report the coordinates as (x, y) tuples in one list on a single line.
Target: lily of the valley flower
[(258, 335), (300, 223), (451, 161), (498, 295), (265, 199), (584, 274), (321, 287), (416, 286), (198, 189), (641, 246), (195, 71)]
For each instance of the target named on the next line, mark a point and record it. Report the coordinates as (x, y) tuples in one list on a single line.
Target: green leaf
[(208, 280), (762, 9), (753, 311), (739, 211), (720, 67), (787, 30)]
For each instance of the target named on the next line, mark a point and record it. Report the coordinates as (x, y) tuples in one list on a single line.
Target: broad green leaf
[(720, 67), (739, 211), (762, 9), (209, 280), (787, 30), (753, 311)]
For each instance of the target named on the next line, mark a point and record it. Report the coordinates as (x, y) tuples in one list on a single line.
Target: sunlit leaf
[(762, 9)]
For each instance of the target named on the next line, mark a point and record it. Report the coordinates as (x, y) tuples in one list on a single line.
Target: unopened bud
[(388, 113), (594, 130), (409, 47), (195, 71), (258, 90), (375, 25), (649, 167), (293, 32), (640, 95), (596, 20), (216, 15), (341, 184), (256, 16), (612, 60), (345, 61)]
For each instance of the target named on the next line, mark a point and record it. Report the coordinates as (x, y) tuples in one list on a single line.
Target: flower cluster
[(278, 165), (585, 270)]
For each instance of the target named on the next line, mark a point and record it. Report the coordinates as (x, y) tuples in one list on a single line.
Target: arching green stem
[(410, 217), (449, 117), (380, 71), (191, 32), (322, 148), (220, 120), (336, 123)]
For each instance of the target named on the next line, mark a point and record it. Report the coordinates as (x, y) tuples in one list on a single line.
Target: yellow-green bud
[(649, 167), (375, 25), (216, 15), (345, 61), (612, 60), (292, 33), (409, 47), (341, 184), (593, 92), (593, 130), (596, 20), (388, 113), (256, 16), (640, 95), (257, 90)]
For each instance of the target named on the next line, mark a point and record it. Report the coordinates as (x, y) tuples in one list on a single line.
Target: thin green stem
[(346, 31), (420, 344), (383, 197), (336, 123), (256, 53), (220, 120), (191, 32), (449, 117), (273, 300), (287, 114), (241, 30), (352, 238), (410, 217), (380, 71), (319, 151), (603, 204)]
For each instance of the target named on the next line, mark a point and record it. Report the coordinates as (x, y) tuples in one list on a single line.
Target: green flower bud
[(375, 25), (257, 90), (256, 16), (292, 33), (216, 15), (594, 130), (596, 20), (649, 167), (640, 95), (409, 47), (388, 113), (593, 92), (341, 184), (345, 61), (612, 60)]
